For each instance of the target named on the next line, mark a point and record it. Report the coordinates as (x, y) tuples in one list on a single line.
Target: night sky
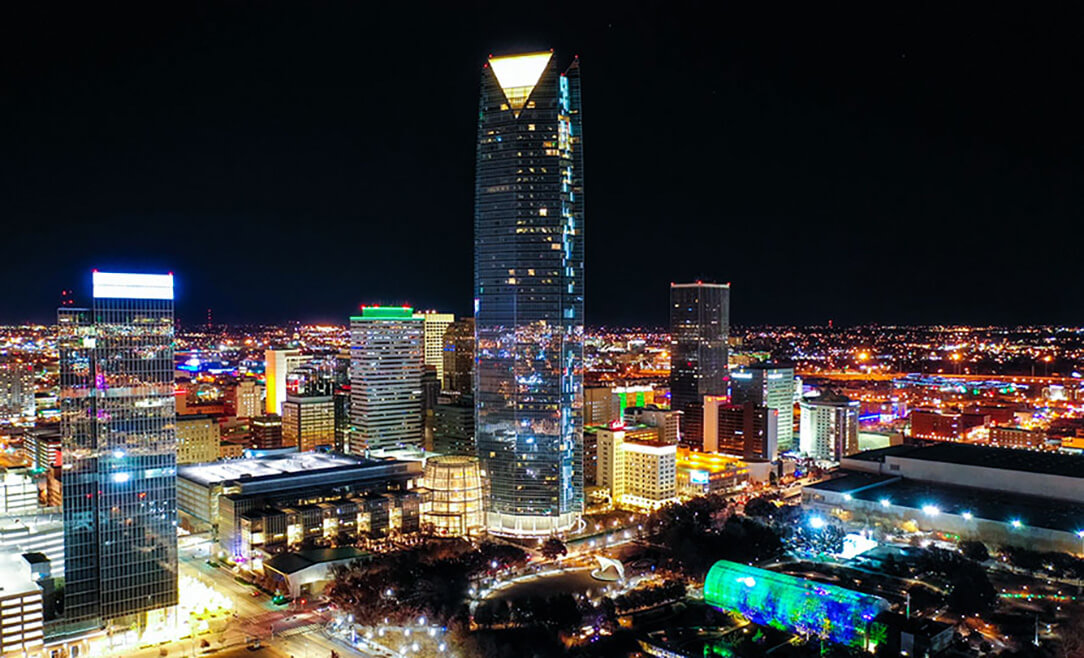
[(888, 162)]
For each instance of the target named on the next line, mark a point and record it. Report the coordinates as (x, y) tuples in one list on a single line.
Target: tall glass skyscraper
[(699, 329), (528, 293), (119, 445), (769, 385)]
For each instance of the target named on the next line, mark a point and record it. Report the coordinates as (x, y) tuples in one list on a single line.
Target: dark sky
[(886, 162)]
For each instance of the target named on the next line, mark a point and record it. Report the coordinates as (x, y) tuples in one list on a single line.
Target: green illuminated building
[(793, 604)]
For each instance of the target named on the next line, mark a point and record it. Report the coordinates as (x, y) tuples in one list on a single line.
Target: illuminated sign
[(698, 477), (115, 285)]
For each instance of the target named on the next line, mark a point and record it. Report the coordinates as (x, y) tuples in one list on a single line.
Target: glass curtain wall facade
[(120, 449), (699, 329), (528, 279)]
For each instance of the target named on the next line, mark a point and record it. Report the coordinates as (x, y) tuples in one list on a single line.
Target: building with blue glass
[(119, 445), (528, 293)]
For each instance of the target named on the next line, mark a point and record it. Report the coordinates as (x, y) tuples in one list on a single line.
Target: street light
[(968, 516), (1017, 523), (816, 522), (931, 510), (885, 502)]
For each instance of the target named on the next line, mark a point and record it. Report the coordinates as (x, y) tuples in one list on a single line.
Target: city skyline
[(863, 139)]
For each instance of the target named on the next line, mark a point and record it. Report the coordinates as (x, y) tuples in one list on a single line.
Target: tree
[(971, 591), (553, 548), (759, 506), (975, 550)]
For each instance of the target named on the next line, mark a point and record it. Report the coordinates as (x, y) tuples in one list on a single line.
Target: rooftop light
[(931, 510)]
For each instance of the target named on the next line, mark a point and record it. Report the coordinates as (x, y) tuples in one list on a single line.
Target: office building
[(119, 446), (459, 357), (263, 504), (457, 504), (430, 397), (198, 439), (42, 532), (745, 430), (701, 474), (772, 386), (267, 432), (41, 447), (829, 426), (22, 617), (528, 292), (946, 425), (277, 365), (638, 473), (667, 421), (453, 426), (385, 379), (18, 492), (598, 406), (632, 396), (16, 390), (699, 328), (1000, 496), (434, 326), (244, 399), (308, 422)]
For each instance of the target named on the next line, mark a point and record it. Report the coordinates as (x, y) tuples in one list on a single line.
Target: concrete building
[(598, 406), (434, 326), (308, 422), (38, 533), (459, 357), (639, 474), (198, 439), (453, 426), (667, 421), (244, 399), (252, 502), (700, 474), (946, 425), (307, 573), (772, 386), (278, 364), (22, 617), (994, 495), (267, 432), (17, 391), (746, 430), (829, 426), (18, 492), (386, 363)]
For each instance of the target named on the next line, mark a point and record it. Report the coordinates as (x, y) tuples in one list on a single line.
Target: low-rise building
[(700, 474), (639, 473), (22, 617)]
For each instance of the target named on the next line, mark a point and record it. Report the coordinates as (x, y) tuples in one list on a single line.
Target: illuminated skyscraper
[(771, 386), (278, 364), (119, 450), (528, 289), (459, 357), (699, 328), (386, 352), (433, 327)]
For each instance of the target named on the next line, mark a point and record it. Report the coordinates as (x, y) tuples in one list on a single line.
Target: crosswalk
[(299, 630)]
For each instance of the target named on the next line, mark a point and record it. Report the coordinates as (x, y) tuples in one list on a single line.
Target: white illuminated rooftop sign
[(518, 74), (116, 285)]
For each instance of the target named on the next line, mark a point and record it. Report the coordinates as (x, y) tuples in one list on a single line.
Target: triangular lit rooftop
[(518, 75)]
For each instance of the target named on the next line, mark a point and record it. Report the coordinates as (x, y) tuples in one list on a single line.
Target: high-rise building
[(453, 426), (599, 406), (745, 430), (434, 326), (278, 364), (119, 450), (386, 378), (308, 422), (768, 385), (267, 432), (459, 357), (828, 426), (639, 473), (699, 327), (667, 421), (528, 293), (21, 622), (198, 439), (16, 390), (244, 399)]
